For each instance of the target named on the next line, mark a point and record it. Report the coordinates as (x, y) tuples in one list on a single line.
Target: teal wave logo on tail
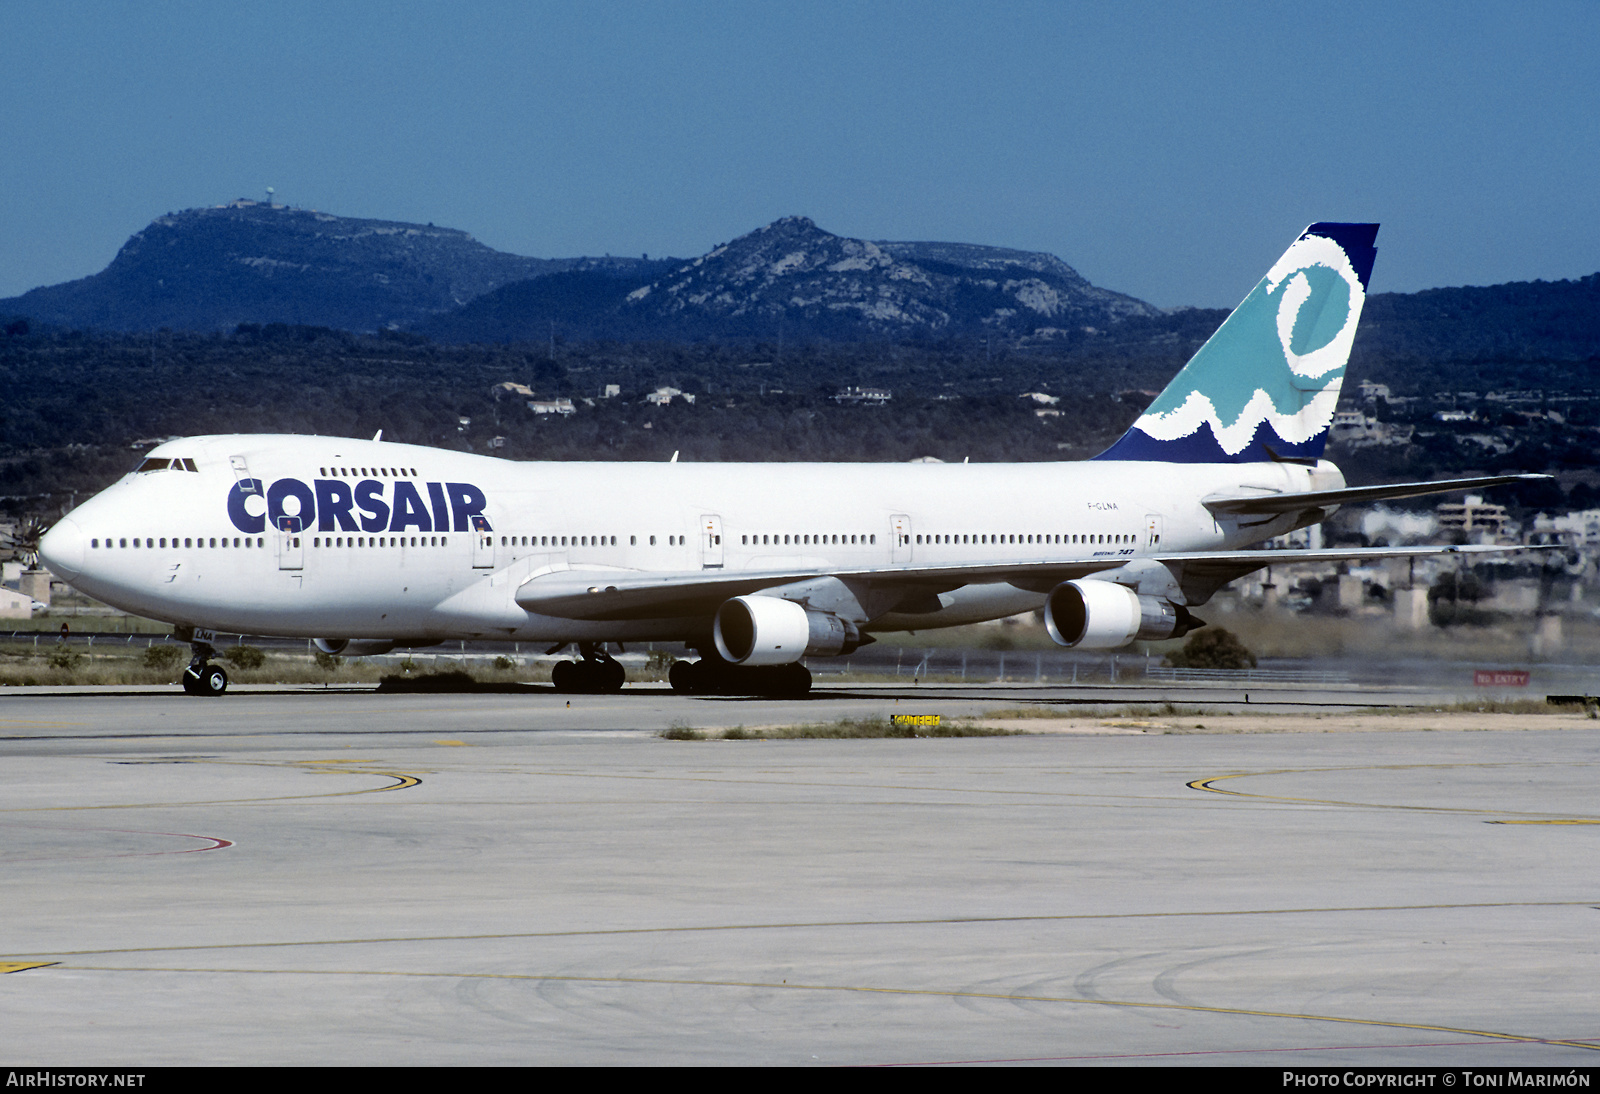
[(1265, 385)]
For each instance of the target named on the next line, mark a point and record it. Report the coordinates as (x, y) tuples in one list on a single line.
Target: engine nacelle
[(1102, 615), (764, 630)]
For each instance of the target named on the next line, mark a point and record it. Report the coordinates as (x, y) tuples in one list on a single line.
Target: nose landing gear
[(202, 677)]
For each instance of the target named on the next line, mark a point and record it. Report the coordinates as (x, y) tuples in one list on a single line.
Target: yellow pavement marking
[(19, 966), (1206, 784), (825, 923), (942, 993), (1573, 821), (456, 744), (402, 782)]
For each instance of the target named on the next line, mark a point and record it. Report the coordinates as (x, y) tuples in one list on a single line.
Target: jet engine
[(1102, 615), (764, 630)]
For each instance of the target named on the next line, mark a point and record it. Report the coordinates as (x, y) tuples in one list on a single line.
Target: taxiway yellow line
[(953, 921), (941, 993), (1206, 785)]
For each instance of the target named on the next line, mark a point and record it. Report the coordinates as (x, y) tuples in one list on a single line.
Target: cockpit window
[(157, 463)]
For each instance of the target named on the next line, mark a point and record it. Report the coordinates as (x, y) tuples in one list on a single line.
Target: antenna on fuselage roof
[(378, 436), (674, 456)]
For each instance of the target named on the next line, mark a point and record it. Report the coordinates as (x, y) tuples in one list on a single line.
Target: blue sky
[(1169, 151)]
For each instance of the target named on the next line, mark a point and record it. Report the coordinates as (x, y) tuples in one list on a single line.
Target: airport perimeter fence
[(981, 666), (879, 662), (870, 663), (1168, 675)]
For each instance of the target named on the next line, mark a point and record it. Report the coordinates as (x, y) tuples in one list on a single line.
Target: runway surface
[(343, 877)]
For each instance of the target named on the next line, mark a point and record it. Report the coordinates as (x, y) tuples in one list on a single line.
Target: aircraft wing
[(1267, 504), (604, 595), (599, 595)]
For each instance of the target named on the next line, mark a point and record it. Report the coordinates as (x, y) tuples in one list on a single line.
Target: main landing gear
[(202, 677), (713, 676), (597, 672)]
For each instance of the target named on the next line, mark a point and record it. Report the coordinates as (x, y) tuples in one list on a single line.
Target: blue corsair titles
[(366, 546), (370, 505)]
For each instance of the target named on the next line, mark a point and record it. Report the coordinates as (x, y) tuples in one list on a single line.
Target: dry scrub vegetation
[(113, 662)]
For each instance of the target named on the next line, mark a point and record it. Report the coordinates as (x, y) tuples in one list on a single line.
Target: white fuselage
[(389, 549)]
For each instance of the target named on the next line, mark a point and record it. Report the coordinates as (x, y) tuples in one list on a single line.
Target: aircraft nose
[(61, 549)]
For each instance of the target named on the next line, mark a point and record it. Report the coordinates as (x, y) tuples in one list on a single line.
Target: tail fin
[(1264, 386)]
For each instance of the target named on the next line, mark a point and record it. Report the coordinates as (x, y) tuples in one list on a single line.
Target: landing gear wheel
[(795, 680), (202, 677), (213, 681), (205, 680), (591, 676), (712, 677), (684, 676)]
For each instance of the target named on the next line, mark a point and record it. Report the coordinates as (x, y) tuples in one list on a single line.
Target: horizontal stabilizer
[(1263, 504), (1257, 560)]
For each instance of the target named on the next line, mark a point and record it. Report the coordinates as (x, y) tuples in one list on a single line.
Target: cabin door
[(900, 537), (291, 552), (1152, 531), (482, 543), (711, 541)]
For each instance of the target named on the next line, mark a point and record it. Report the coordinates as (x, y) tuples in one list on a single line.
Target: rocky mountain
[(246, 261), (793, 269), (793, 279)]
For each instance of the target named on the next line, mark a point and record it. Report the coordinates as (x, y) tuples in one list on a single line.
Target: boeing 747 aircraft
[(367, 546)]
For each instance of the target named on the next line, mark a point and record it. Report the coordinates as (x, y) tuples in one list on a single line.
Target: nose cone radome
[(61, 549)]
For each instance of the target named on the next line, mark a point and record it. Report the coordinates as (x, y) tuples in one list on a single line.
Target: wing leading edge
[(609, 595)]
